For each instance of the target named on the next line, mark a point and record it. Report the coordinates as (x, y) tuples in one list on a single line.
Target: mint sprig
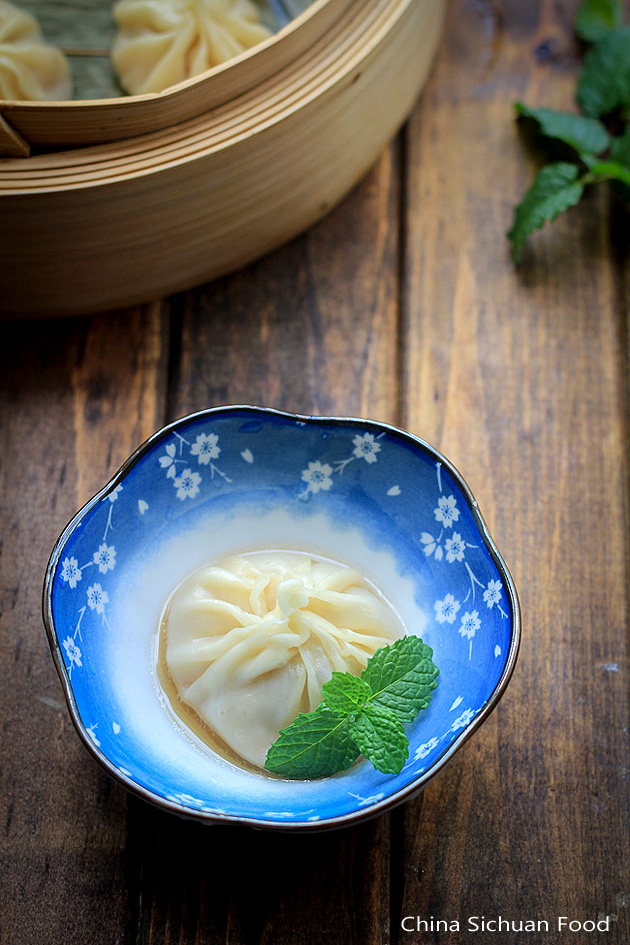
[(604, 82), (598, 139), (360, 715), (595, 18), (556, 188), (584, 135)]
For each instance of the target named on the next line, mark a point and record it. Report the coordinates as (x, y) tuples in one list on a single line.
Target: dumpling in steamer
[(250, 641), (163, 42), (30, 68)]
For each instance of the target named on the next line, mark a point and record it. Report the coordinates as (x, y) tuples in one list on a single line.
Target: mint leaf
[(345, 693), (314, 745), (582, 134), (595, 18), (604, 82), (360, 715), (401, 677), (556, 188), (379, 735)]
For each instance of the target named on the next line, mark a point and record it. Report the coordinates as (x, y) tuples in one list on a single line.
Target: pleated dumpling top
[(30, 68), (252, 640), (163, 42)]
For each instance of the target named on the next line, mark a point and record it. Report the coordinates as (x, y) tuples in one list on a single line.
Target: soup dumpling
[(250, 641), (163, 42), (30, 68)]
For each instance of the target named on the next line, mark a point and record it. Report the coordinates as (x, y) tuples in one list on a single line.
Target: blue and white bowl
[(235, 479)]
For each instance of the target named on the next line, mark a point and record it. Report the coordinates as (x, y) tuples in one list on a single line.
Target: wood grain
[(76, 398), (293, 331), (516, 376), (401, 305)]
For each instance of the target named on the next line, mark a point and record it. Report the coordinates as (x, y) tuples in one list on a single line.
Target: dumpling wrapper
[(251, 641), (30, 68), (163, 42)]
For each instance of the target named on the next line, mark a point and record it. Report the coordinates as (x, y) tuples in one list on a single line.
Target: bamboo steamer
[(64, 124), (280, 136)]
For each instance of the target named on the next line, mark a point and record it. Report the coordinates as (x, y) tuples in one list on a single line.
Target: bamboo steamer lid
[(125, 221)]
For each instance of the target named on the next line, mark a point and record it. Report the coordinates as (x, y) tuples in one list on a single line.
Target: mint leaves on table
[(555, 188), (360, 715), (604, 82), (598, 140), (584, 135), (593, 20)]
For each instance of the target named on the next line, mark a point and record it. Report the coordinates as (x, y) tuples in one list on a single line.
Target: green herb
[(584, 135), (360, 715), (595, 18), (604, 82), (598, 140), (555, 188)]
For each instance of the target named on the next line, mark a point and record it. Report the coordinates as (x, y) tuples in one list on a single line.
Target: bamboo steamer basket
[(64, 124), (160, 193)]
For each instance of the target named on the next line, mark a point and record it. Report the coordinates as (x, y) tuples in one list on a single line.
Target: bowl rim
[(365, 813)]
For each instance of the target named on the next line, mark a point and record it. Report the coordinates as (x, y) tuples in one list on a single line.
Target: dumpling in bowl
[(250, 641), (163, 42), (30, 68)]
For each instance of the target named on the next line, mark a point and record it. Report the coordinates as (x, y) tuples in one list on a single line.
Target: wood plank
[(521, 378), (313, 328), (76, 399)]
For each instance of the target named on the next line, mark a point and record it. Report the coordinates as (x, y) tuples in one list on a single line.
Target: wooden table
[(402, 305)]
